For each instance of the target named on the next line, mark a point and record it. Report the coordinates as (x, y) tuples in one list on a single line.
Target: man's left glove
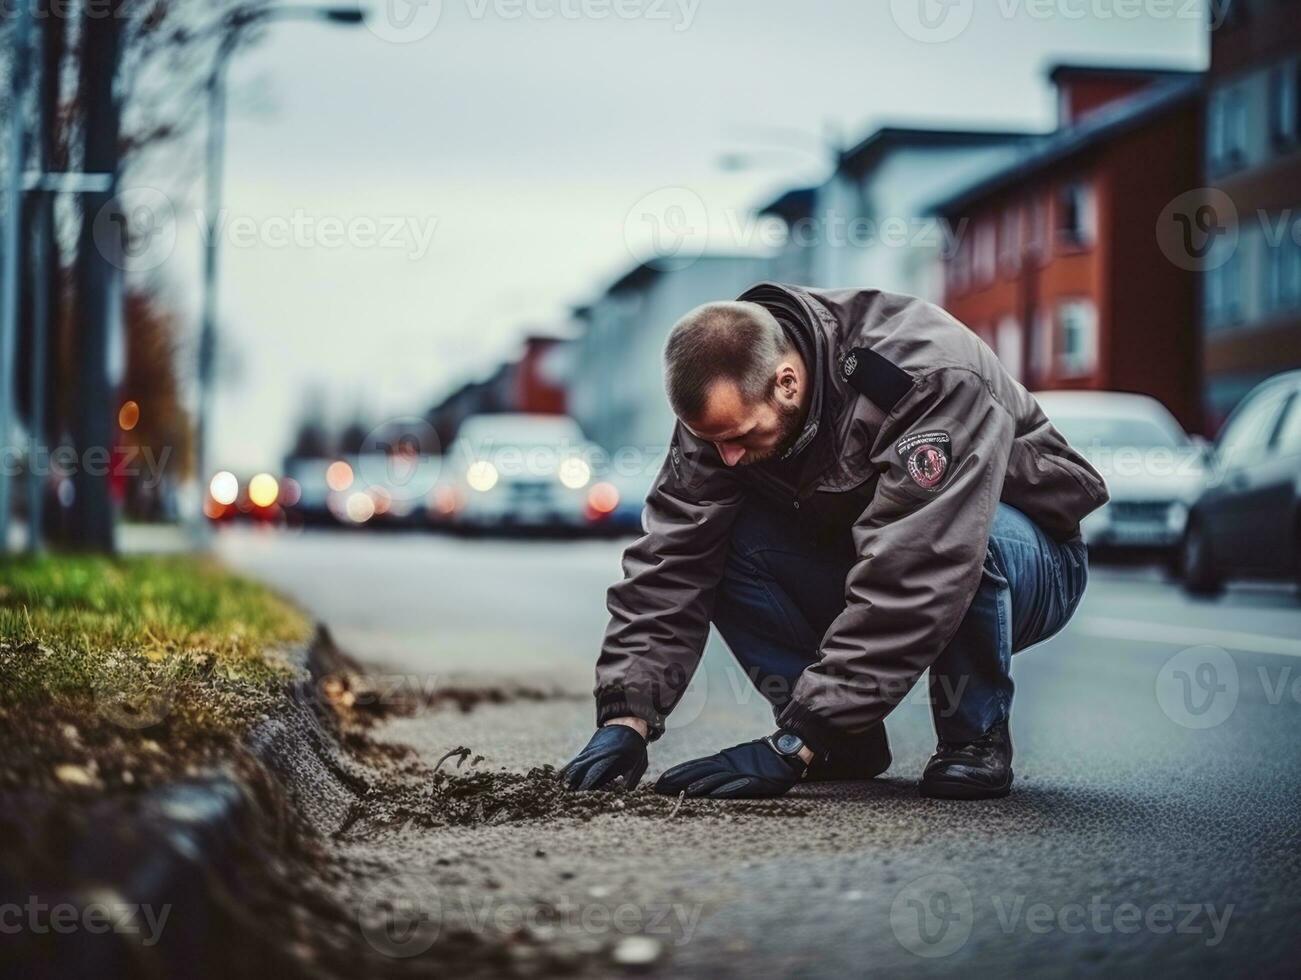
[(614, 751), (751, 770)]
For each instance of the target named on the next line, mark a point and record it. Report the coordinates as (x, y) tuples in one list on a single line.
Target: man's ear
[(788, 380)]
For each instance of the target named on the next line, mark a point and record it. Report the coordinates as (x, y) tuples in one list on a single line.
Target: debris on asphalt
[(445, 797), (637, 951), (368, 696)]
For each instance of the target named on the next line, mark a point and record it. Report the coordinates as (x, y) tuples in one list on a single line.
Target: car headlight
[(481, 476), (574, 473)]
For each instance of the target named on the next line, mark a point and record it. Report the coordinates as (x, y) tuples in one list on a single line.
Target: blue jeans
[(780, 592)]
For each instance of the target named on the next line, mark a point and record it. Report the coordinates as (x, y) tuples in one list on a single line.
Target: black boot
[(863, 757), (978, 770)]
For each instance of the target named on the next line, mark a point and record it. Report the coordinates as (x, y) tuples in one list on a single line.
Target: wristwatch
[(787, 745)]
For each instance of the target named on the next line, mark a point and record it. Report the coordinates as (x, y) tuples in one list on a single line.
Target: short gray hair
[(738, 342)]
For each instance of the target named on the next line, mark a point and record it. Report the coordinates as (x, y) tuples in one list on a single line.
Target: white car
[(516, 470), (1153, 468)]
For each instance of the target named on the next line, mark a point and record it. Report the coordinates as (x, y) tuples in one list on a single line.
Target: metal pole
[(212, 208), (216, 142), (98, 270), (44, 272), (9, 277), (40, 344)]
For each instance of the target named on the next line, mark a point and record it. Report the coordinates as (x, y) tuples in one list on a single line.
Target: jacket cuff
[(816, 732), (618, 702)]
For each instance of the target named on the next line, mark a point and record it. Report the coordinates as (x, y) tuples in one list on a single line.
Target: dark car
[(1247, 522)]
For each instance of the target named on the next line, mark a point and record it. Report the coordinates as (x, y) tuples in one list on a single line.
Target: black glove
[(615, 750), (753, 769)]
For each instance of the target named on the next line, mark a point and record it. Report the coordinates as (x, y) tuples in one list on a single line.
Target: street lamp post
[(773, 146), (216, 140), (17, 144)]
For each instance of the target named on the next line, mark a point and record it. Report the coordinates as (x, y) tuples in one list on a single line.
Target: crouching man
[(856, 491)]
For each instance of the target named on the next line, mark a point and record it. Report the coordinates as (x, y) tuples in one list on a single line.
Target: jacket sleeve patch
[(926, 457), (875, 378)]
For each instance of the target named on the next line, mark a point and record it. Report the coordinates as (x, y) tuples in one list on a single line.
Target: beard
[(790, 423)]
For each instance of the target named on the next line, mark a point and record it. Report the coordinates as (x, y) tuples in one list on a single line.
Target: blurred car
[(618, 509), (398, 484), (370, 489), (260, 498), (1153, 468), (519, 470), (310, 504), (1247, 522)]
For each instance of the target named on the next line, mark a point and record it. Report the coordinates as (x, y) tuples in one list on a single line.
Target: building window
[(1009, 240), (1223, 284), (1075, 215), (960, 265), (1296, 101), (1228, 129), (1038, 218), (983, 254), (1077, 350), (1283, 82), (1283, 275), (1008, 344), (1041, 354)]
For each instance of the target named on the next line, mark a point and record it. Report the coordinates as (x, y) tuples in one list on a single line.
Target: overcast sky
[(481, 169)]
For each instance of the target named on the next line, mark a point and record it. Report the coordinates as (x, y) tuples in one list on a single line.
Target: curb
[(179, 847)]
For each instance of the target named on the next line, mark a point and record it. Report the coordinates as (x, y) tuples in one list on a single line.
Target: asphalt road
[(1154, 823)]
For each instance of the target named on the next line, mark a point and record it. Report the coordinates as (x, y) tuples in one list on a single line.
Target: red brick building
[(1059, 268), (1251, 300)]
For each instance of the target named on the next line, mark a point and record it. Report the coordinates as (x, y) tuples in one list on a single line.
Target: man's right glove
[(615, 750)]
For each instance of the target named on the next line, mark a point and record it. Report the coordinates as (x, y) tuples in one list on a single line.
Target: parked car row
[(505, 471), (1227, 510), (1221, 511), (1153, 468), (1246, 523)]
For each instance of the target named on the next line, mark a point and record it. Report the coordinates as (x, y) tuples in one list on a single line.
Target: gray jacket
[(914, 434)]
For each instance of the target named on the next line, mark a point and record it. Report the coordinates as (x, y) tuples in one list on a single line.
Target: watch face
[(788, 744)]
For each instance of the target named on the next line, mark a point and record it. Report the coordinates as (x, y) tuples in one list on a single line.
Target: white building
[(867, 225), (618, 391)]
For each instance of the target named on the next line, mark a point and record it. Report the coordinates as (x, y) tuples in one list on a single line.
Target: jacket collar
[(794, 309)]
